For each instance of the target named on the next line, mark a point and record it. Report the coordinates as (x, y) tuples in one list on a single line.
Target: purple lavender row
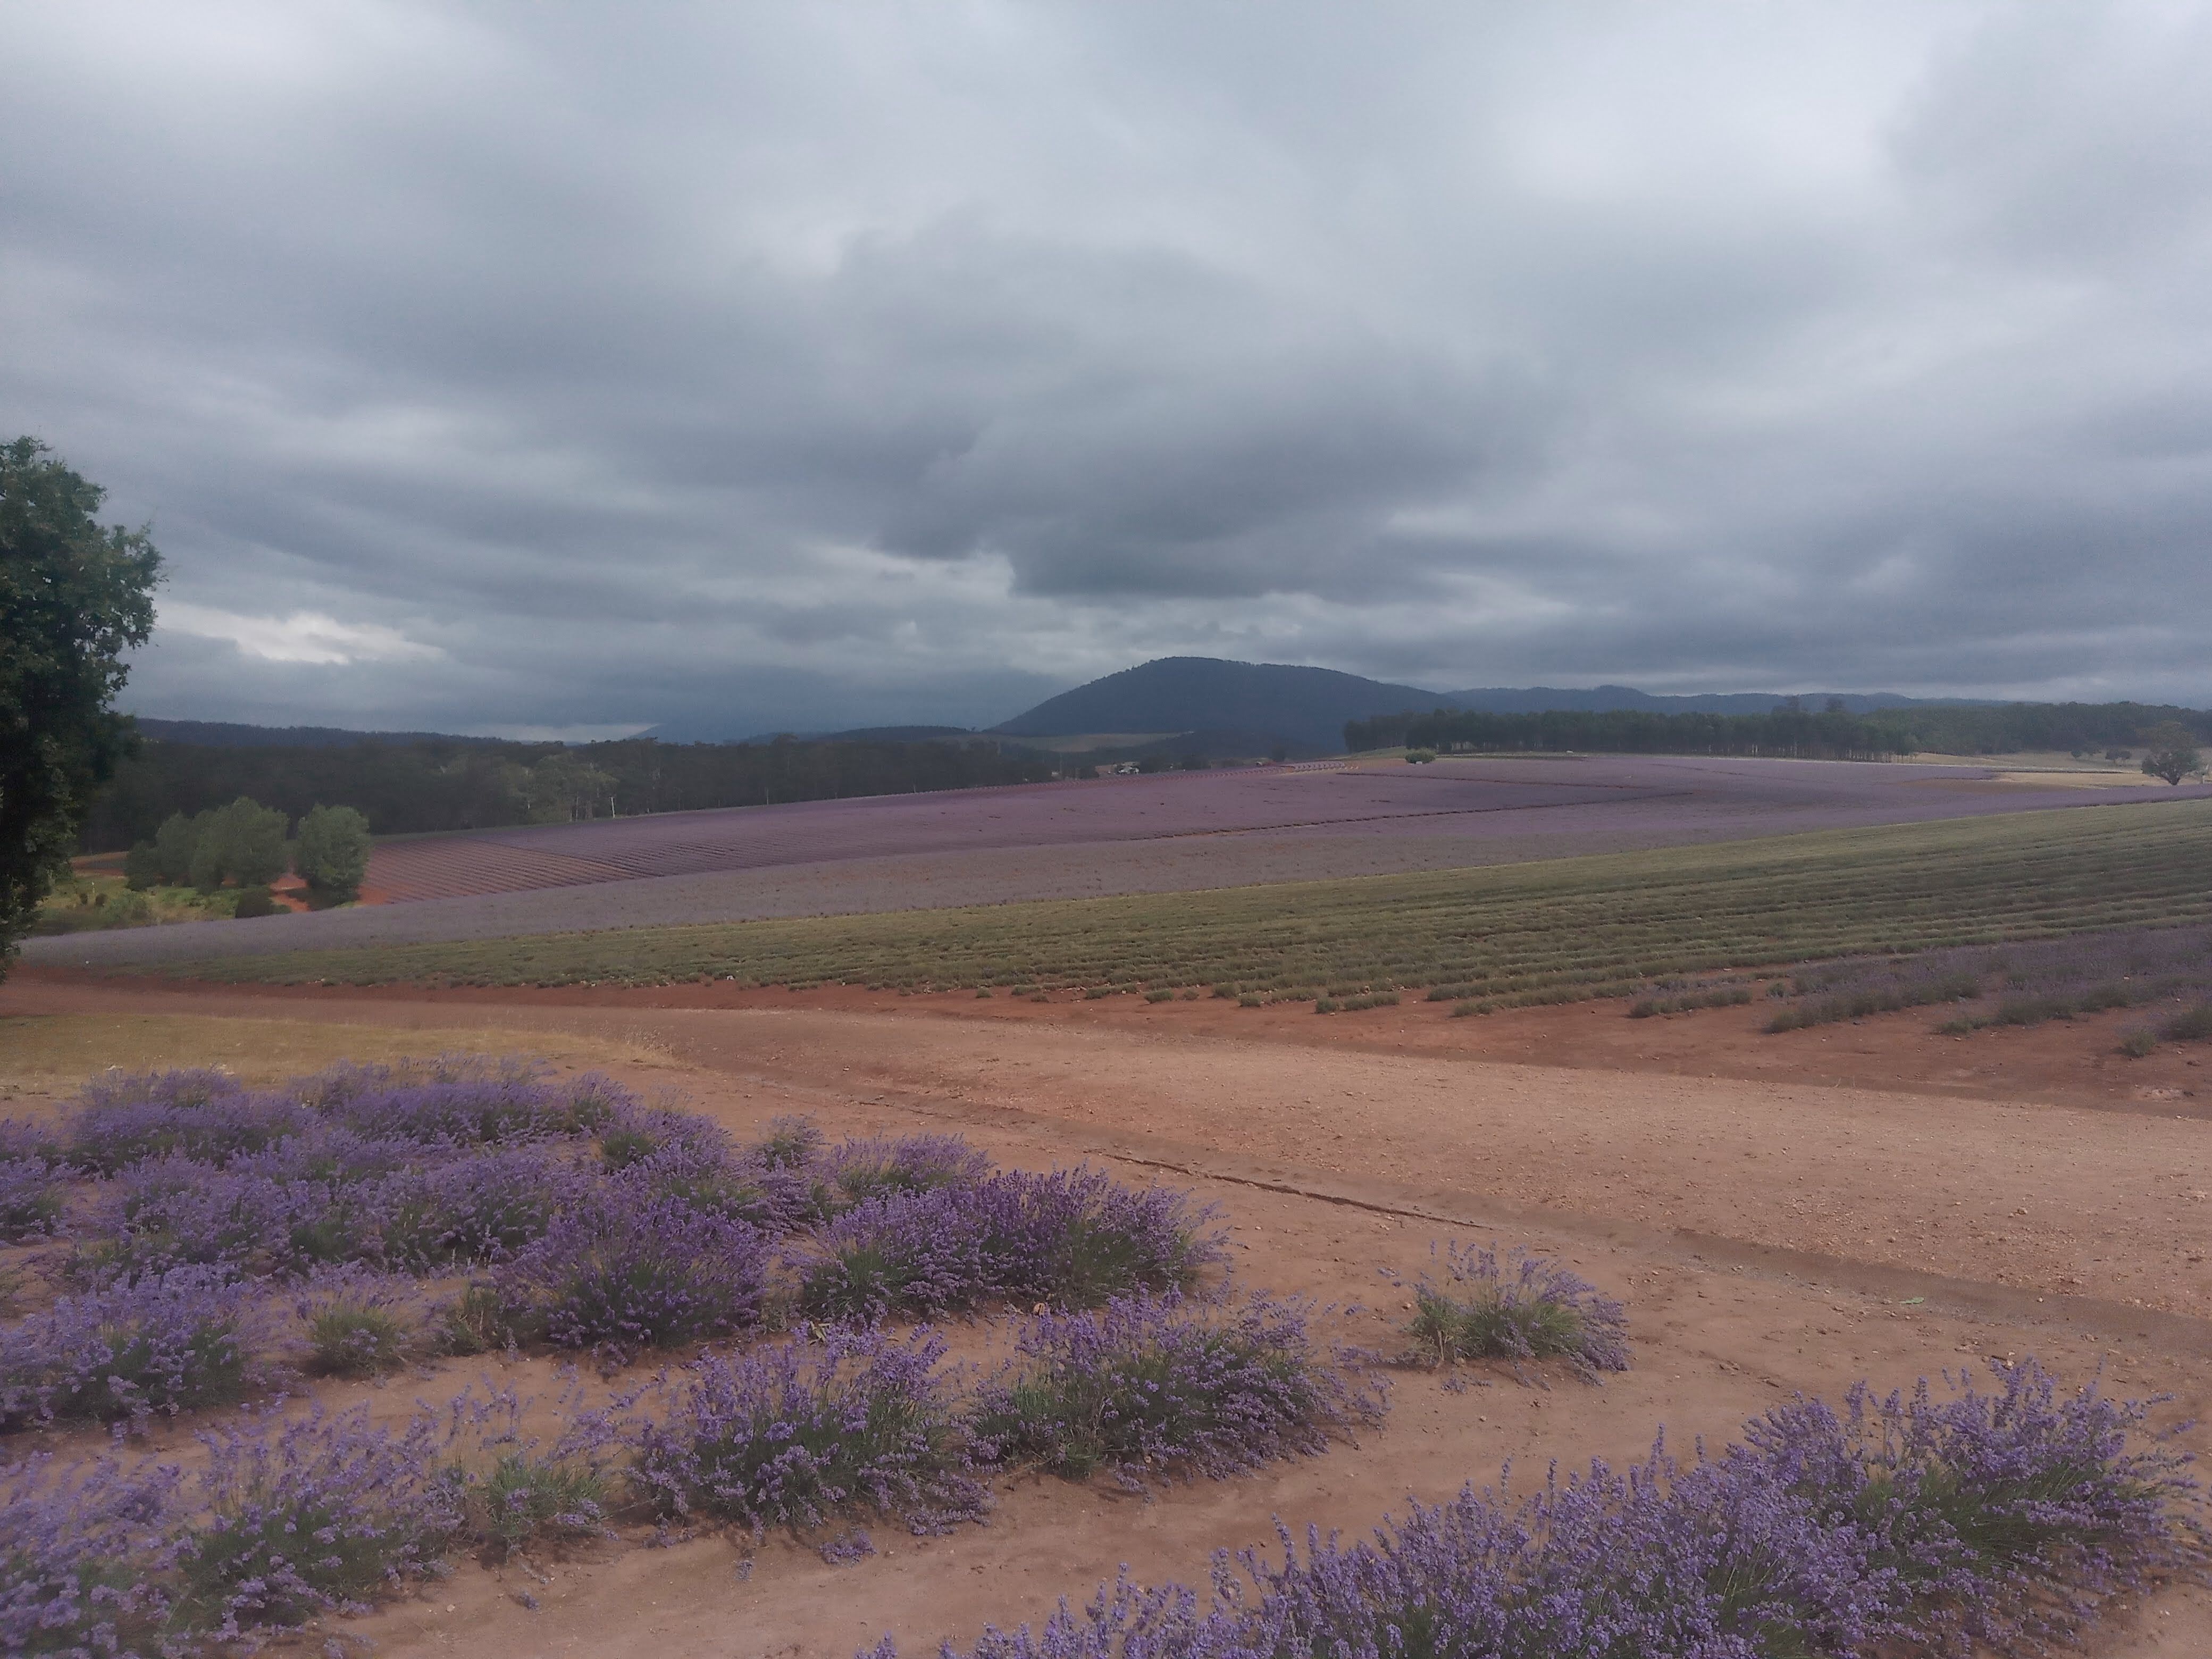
[(1982, 1521)]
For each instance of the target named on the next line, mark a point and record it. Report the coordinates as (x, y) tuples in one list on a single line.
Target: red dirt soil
[(1778, 1213)]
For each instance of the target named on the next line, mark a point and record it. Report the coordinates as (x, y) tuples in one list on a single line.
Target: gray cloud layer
[(508, 366)]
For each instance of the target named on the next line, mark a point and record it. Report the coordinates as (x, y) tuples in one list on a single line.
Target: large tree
[(74, 597)]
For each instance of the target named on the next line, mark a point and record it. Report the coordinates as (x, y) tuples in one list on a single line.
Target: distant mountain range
[(1213, 706)]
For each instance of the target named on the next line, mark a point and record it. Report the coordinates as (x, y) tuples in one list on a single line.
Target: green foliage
[(141, 867), (73, 598), (333, 856), (1419, 756), (352, 1339), (174, 844), (242, 842), (522, 1498), (2172, 752), (255, 901)]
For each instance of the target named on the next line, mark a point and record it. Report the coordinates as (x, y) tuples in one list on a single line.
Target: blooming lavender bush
[(857, 1170), (190, 1337), (1520, 1307), (517, 1489), (477, 1209), (857, 1423), (207, 1117), (174, 1212), (33, 1194), (463, 1100), (740, 1185), (1072, 1238), (358, 1322), (1170, 1383), (319, 1513), (84, 1557), (1982, 1521), (619, 1276)]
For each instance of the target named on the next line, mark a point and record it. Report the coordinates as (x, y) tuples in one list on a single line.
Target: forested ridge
[(1827, 734), (450, 784)]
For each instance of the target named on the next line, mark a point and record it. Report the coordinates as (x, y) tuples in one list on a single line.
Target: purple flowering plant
[(826, 1427), (1175, 1384), (1513, 1306), (190, 1337)]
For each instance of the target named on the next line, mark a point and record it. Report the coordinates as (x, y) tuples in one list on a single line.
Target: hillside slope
[(1306, 706)]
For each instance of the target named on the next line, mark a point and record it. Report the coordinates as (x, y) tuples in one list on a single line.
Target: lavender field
[(1170, 833)]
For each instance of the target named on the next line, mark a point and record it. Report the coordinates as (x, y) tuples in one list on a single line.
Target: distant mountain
[(1271, 704), (226, 734), (1305, 705)]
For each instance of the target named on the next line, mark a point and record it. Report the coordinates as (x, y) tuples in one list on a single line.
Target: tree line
[(414, 788), (1831, 733)]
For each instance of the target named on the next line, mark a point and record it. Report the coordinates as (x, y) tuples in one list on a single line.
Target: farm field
[(1765, 1236), (1169, 833), (1549, 930)]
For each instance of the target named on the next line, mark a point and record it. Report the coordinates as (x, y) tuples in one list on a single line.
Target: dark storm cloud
[(518, 367)]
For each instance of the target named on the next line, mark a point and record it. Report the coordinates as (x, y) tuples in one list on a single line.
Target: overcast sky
[(577, 369)]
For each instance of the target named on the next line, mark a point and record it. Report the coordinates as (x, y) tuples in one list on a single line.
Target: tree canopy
[(74, 597)]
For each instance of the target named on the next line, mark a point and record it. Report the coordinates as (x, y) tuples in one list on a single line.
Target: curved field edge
[(1552, 931)]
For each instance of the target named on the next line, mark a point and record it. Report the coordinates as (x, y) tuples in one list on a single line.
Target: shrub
[(84, 1553), (185, 1339), (480, 1209), (32, 1195), (317, 1514), (1169, 1384), (177, 1212), (858, 1171), (1526, 1307), (198, 1114), (522, 1498), (255, 901), (618, 1276), (2193, 1026), (462, 1100), (775, 1199), (2136, 1044), (1072, 1237), (807, 1431), (358, 1323)]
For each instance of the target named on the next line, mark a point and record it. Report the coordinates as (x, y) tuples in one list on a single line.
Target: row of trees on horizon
[(1830, 734), (420, 787)]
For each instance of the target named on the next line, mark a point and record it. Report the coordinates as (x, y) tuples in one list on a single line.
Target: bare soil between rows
[(1779, 1214)]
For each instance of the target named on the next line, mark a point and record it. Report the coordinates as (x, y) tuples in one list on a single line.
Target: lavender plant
[(618, 1276), (85, 1555), (855, 1171), (1070, 1238), (1171, 1383), (187, 1338), (517, 1490), (1517, 1307), (358, 1322), (315, 1514), (33, 1194), (806, 1433), (1983, 1522)]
